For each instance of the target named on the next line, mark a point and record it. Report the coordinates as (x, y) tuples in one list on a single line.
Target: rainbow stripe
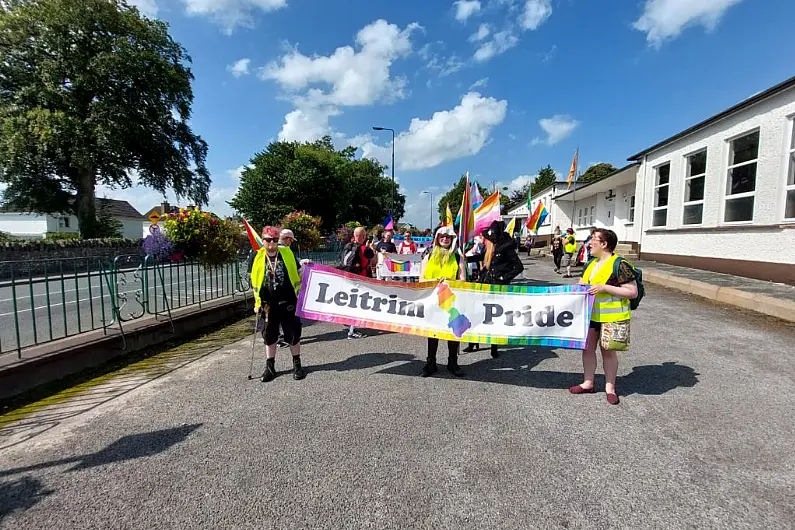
[(397, 266), (458, 322)]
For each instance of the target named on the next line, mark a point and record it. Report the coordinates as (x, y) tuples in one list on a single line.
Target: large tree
[(90, 91), (318, 179), (597, 172), (546, 177), (454, 197)]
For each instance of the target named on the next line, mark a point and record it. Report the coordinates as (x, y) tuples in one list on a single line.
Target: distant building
[(32, 225)]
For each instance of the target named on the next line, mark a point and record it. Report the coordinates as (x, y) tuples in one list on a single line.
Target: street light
[(393, 162), (431, 194)]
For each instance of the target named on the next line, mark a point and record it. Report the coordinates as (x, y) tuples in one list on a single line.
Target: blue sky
[(500, 88)]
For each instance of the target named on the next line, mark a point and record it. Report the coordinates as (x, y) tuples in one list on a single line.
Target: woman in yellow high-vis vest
[(613, 291)]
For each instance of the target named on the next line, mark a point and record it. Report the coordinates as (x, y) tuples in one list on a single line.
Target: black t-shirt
[(386, 246), (276, 287)]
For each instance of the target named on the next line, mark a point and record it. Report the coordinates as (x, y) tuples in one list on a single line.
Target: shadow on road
[(656, 379), (360, 362), (341, 335), (20, 495), (125, 448)]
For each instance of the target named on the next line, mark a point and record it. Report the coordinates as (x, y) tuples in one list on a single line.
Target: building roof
[(753, 100), (111, 207), (597, 181)]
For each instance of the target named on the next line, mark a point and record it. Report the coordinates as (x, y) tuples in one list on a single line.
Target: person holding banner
[(614, 285), (501, 264), (276, 280), (356, 258), (443, 263), (407, 246)]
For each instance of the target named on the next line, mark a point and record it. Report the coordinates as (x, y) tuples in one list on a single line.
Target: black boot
[(298, 372), (494, 352), (470, 347), (270, 370), (452, 365), (430, 366)]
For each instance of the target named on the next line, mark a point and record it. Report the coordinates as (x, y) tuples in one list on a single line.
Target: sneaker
[(355, 335)]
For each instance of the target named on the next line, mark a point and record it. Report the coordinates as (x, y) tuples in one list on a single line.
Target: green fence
[(49, 300)]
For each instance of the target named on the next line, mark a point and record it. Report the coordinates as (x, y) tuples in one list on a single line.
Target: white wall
[(23, 224), (131, 228), (753, 240)]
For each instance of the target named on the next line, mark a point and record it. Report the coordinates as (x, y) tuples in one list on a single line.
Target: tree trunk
[(85, 205)]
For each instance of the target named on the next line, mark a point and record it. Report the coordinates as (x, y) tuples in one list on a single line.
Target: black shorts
[(595, 325), (282, 316)]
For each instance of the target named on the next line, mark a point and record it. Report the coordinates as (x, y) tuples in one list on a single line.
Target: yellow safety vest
[(606, 307), (571, 245), (258, 271), (448, 271)]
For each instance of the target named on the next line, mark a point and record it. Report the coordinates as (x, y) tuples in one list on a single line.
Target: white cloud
[(483, 31), (479, 83), (447, 66), (356, 77), (512, 136), (447, 135), (146, 7), (218, 198), (558, 128), (500, 43), (535, 13), (666, 19), (550, 54), (465, 9), (239, 68), (232, 14), (235, 174), (307, 122), (520, 181)]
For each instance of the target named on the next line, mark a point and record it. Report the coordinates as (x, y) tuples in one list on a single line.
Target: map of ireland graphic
[(458, 323)]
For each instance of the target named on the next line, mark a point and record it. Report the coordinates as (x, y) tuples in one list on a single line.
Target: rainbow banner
[(554, 316), (392, 265), (397, 266)]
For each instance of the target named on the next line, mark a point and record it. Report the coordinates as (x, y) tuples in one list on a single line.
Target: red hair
[(271, 231)]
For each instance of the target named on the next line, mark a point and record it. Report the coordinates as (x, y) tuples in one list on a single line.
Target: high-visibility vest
[(606, 307), (449, 270), (258, 271), (571, 245)]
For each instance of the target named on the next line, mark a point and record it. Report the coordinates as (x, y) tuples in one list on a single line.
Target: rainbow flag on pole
[(538, 217), (487, 212), (253, 237)]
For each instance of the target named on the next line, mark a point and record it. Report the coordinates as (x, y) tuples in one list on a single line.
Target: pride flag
[(397, 266), (487, 212), (477, 198), (253, 237), (389, 224), (537, 219)]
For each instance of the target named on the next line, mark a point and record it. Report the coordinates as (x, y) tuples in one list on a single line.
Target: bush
[(62, 236), (345, 232), (5, 236), (203, 236), (159, 245), (305, 228)]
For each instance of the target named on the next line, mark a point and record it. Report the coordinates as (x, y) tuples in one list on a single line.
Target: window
[(741, 179), (789, 197), (63, 222), (660, 211), (632, 209), (590, 222), (693, 212), (580, 218)]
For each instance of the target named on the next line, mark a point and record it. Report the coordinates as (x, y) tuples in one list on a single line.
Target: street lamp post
[(431, 225), (393, 162)]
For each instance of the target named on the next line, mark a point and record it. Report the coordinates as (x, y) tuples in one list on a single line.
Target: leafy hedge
[(45, 244)]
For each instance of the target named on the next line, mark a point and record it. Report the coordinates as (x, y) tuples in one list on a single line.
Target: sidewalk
[(769, 298)]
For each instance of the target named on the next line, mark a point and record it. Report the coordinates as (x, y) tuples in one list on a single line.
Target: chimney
[(165, 207)]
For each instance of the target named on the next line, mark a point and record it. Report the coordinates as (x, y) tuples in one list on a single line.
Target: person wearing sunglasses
[(276, 280)]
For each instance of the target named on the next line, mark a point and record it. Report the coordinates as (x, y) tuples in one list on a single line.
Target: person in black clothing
[(386, 244), (501, 264), (356, 258), (557, 252)]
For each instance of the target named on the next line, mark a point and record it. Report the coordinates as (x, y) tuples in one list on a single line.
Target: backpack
[(633, 302)]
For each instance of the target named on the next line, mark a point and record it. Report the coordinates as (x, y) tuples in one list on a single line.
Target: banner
[(556, 316), (398, 265)]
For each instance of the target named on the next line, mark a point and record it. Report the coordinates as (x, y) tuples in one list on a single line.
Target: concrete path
[(702, 439)]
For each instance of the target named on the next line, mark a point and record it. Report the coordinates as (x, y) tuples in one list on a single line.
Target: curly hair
[(271, 231)]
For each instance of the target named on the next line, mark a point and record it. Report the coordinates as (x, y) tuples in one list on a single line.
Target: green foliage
[(597, 172), (317, 179), (306, 229), (519, 197), (61, 236), (546, 177), (108, 226), (5, 237), (90, 91), (203, 236), (455, 196)]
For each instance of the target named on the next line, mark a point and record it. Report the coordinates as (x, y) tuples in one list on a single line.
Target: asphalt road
[(49, 310), (702, 439)]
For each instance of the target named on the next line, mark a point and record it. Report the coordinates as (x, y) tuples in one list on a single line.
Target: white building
[(547, 197), (721, 195), (32, 225)]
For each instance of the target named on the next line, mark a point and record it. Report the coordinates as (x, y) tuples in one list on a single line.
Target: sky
[(499, 88)]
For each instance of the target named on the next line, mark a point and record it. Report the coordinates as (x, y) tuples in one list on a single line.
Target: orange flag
[(573, 170)]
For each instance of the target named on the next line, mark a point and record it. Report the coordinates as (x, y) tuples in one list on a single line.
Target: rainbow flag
[(537, 219), (253, 236), (487, 212), (466, 230), (397, 266)]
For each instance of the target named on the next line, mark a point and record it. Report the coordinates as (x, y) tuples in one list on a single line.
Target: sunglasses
[(270, 239), (446, 236)]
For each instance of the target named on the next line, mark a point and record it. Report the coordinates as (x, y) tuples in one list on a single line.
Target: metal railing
[(48, 300)]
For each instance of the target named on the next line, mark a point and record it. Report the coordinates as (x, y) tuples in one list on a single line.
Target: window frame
[(654, 190), (727, 172), (64, 221), (590, 218), (689, 177), (631, 211), (789, 169)]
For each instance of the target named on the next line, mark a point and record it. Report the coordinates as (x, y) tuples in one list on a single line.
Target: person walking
[(276, 281), (443, 263), (407, 246), (557, 252), (501, 264), (356, 257), (613, 288), (569, 248), (386, 244)]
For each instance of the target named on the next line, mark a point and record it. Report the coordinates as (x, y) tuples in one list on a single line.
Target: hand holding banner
[(556, 316)]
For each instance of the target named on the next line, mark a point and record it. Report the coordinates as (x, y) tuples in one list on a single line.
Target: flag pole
[(574, 193)]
